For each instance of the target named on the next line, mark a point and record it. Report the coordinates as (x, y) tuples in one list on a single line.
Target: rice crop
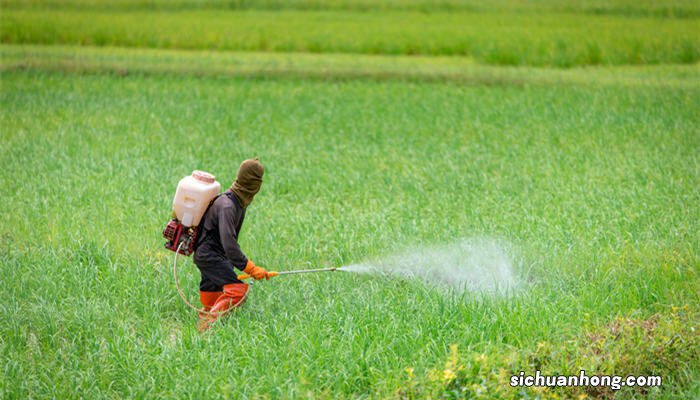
[(329, 67), (669, 8), (593, 186), (506, 186), (556, 38)]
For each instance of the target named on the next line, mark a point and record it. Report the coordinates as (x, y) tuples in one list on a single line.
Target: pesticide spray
[(480, 265), (477, 265)]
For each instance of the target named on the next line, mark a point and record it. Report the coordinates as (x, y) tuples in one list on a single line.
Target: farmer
[(217, 250)]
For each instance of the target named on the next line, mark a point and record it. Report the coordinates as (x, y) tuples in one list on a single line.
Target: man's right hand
[(256, 272)]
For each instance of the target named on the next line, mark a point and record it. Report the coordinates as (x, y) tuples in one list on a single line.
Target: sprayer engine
[(176, 234)]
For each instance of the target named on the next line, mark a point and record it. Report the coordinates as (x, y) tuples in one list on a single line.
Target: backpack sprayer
[(193, 197)]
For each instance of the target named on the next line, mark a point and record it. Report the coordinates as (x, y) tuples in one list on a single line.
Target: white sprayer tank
[(193, 195)]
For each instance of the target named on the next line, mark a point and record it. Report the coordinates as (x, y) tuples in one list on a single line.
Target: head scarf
[(248, 181)]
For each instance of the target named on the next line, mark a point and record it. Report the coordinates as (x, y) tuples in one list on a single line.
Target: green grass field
[(542, 38), (589, 176), (668, 8)]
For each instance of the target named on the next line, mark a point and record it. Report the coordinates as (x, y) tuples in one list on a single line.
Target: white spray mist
[(477, 264)]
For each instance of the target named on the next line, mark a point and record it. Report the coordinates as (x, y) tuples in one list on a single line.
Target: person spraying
[(207, 224), (216, 250)]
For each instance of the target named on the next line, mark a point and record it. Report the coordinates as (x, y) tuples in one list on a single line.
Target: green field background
[(384, 127), (544, 35)]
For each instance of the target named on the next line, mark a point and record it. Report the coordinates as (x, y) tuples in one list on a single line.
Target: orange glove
[(256, 272)]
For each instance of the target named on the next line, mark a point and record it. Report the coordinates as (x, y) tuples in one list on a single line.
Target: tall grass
[(461, 70), (540, 39), (595, 187), (669, 8)]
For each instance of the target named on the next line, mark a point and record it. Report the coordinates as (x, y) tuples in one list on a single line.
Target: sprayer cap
[(203, 176)]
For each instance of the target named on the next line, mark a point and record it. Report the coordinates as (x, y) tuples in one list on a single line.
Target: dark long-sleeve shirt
[(218, 236)]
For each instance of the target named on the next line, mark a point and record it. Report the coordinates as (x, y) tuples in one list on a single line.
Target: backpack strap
[(198, 231)]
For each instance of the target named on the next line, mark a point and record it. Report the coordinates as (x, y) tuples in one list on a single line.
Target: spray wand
[(272, 274), (241, 277)]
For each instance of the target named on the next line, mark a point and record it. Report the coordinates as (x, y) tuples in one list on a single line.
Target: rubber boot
[(208, 299), (233, 296)]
